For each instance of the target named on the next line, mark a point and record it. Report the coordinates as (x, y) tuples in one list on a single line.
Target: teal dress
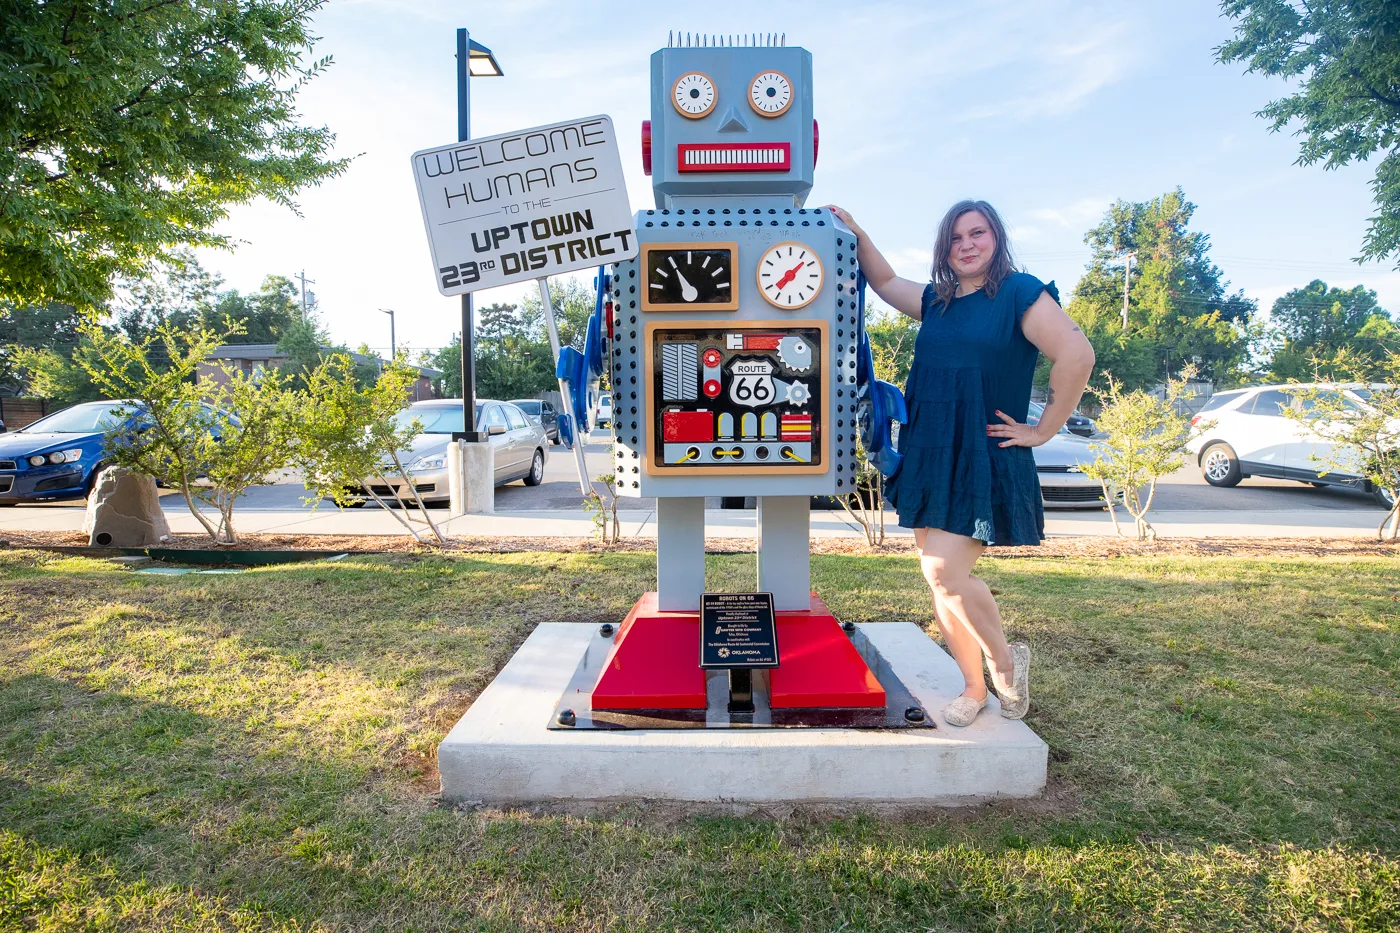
[(971, 360)]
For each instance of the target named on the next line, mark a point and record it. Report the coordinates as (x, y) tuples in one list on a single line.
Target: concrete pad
[(501, 751)]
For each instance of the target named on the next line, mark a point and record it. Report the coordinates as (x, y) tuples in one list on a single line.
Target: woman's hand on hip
[(1016, 434)]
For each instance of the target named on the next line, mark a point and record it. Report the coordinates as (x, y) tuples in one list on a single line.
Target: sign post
[(584, 480), (500, 210)]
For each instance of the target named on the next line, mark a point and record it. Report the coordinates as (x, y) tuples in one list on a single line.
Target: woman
[(968, 476)]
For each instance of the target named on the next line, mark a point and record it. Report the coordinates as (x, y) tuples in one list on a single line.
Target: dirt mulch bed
[(1054, 547)]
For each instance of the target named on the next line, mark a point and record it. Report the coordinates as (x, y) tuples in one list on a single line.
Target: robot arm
[(584, 370), (880, 402)]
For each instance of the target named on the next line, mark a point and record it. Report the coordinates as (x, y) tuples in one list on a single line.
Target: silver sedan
[(519, 447), (1058, 464)]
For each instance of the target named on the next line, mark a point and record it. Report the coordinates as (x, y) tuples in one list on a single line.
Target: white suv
[(1247, 434)]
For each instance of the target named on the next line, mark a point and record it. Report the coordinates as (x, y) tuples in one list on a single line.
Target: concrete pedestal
[(501, 752), (471, 479)]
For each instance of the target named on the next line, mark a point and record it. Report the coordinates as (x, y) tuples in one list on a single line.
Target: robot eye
[(694, 95), (770, 93)]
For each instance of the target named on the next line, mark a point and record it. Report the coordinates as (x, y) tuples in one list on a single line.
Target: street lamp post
[(472, 59)]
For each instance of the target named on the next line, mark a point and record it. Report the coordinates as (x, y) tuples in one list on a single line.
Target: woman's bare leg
[(967, 612), (966, 650)]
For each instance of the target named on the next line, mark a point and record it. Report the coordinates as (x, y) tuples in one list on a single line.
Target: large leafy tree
[(1180, 313), (180, 294), (1323, 331), (266, 316), (513, 356), (1343, 59), (128, 127)]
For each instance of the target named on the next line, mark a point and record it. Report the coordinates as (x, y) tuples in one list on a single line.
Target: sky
[(1050, 110)]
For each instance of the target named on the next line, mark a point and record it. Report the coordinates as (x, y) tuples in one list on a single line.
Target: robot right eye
[(694, 95)]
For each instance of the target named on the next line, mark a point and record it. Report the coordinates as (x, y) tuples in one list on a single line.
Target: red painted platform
[(819, 665), (655, 663)]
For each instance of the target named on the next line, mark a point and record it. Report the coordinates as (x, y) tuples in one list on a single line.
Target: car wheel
[(1220, 466), (92, 480), (536, 474), (1384, 498)]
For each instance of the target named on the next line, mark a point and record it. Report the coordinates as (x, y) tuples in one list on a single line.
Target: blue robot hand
[(881, 403), (584, 370)]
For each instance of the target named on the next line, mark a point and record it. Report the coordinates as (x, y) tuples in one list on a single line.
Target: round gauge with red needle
[(790, 275)]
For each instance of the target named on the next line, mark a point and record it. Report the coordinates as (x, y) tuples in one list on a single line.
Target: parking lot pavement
[(1183, 498)]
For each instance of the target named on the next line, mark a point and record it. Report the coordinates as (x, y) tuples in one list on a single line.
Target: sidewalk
[(726, 523)]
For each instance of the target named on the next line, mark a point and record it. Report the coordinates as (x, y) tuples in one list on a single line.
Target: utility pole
[(393, 344), (304, 282), (1127, 271)]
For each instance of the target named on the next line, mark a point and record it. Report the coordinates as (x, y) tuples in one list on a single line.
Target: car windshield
[(436, 419), (530, 408), (81, 419), (1218, 400)]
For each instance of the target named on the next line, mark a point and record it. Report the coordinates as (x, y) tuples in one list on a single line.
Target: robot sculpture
[(739, 367)]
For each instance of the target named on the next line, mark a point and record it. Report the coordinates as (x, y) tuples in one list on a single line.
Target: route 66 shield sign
[(751, 382)]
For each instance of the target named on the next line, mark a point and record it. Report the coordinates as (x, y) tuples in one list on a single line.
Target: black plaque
[(737, 630)]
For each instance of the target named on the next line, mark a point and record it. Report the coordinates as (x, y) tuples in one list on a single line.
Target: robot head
[(730, 122)]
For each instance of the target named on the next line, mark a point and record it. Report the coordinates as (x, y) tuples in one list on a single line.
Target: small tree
[(1364, 440), (350, 434), (210, 439), (1145, 440)]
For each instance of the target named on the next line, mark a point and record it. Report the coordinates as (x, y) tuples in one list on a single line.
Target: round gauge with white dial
[(770, 93), (790, 275), (694, 94)]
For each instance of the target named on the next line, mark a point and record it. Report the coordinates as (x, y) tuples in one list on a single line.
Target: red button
[(712, 387), (712, 357)]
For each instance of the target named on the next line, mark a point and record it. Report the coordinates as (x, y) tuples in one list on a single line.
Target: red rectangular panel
[(762, 341), (654, 663), (733, 157), (820, 666), (687, 427)]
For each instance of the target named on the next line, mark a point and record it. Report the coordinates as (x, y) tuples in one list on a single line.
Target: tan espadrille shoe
[(1016, 701), (963, 710)]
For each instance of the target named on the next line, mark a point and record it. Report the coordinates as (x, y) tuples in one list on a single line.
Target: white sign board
[(520, 206)]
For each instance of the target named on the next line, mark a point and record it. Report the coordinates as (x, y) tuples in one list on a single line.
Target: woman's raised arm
[(903, 295)]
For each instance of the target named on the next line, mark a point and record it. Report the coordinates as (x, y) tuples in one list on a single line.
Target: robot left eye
[(770, 93)]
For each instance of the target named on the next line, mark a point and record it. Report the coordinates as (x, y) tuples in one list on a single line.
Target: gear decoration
[(795, 353), (798, 394)]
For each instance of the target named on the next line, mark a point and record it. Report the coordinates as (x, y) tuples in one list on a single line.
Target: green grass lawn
[(255, 751)]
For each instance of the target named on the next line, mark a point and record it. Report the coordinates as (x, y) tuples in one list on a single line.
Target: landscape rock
[(124, 511)]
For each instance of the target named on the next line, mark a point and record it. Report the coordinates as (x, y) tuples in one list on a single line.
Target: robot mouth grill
[(734, 157)]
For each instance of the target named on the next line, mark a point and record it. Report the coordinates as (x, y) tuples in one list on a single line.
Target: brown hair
[(945, 281)]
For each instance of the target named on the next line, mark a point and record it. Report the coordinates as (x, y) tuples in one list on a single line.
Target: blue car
[(59, 457)]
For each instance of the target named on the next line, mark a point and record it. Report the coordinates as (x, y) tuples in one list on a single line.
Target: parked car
[(59, 456), (602, 414), (1077, 423), (518, 447), (1247, 434), (541, 413), (1058, 466)]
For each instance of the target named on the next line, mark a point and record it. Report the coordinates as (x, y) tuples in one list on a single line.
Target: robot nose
[(731, 122)]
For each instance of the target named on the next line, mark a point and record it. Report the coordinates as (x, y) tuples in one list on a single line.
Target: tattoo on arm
[(1049, 397), (1078, 331)]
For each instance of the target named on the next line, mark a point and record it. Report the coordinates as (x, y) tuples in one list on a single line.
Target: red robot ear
[(816, 144), (646, 146)]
